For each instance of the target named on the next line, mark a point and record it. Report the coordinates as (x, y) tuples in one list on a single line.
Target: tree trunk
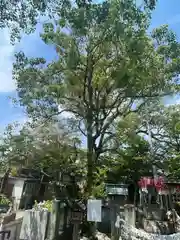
[(90, 143), (90, 140), (90, 162)]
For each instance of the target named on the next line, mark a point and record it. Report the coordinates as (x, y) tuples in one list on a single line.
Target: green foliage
[(173, 164), (14, 172), (108, 69), (44, 205), (99, 183), (106, 62), (150, 4), (4, 200), (131, 162), (163, 124), (23, 15), (99, 190), (49, 148), (20, 15)]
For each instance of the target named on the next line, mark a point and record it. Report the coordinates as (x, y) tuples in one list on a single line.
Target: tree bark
[(90, 140), (90, 162)]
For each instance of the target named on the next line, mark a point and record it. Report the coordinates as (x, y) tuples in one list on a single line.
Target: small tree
[(47, 149)]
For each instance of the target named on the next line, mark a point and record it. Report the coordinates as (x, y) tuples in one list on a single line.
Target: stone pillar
[(129, 214), (54, 221), (115, 215), (113, 219)]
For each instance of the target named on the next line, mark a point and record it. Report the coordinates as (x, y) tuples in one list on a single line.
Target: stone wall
[(34, 225), (153, 220)]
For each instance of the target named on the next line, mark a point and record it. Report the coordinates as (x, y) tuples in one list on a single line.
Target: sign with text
[(117, 189), (94, 210)]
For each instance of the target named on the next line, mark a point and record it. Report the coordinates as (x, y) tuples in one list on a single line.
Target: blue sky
[(167, 11)]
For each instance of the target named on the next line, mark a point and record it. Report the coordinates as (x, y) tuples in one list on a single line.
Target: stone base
[(8, 218), (154, 213), (158, 227)]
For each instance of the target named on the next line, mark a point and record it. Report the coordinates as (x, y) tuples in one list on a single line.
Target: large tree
[(107, 67)]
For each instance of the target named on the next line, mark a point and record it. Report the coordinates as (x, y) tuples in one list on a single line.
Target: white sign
[(94, 210)]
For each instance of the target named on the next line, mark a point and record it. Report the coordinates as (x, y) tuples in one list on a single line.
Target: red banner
[(158, 183)]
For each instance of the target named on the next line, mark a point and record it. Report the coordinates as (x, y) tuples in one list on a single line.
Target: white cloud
[(7, 84)]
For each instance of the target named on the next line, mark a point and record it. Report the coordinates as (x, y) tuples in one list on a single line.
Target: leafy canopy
[(25, 14)]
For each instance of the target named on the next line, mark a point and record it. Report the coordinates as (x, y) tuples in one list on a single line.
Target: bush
[(43, 205), (4, 200)]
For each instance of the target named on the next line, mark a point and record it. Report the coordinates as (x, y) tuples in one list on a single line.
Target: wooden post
[(76, 231), (76, 219)]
